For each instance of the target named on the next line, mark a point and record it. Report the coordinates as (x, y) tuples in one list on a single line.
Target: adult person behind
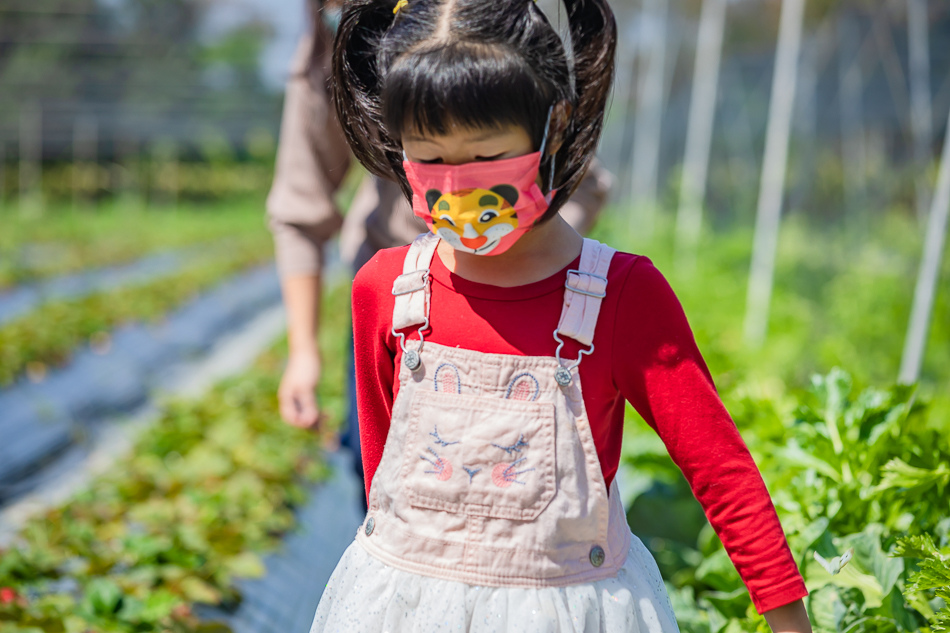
[(312, 161)]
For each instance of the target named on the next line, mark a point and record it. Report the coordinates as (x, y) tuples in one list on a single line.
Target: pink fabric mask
[(482, 207)]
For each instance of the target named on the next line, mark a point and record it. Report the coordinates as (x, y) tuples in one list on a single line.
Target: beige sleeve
[(583, 208), (312, 159)]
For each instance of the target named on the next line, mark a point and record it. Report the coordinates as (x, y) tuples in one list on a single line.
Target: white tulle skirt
[(366, 595)]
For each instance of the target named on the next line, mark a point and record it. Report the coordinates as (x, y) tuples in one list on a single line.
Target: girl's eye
[(446, 218), (431, 161), (487, 158), (488, 216)]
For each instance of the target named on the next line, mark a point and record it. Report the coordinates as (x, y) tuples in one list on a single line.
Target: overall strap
[(586, 288), (411, 288)]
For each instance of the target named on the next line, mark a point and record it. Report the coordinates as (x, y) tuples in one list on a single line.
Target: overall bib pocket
[(480, 456)]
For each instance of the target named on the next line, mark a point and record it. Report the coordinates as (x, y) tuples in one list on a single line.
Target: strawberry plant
[(205, 491)]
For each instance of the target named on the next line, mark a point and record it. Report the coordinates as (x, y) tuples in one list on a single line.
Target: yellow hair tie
[(400, 5)]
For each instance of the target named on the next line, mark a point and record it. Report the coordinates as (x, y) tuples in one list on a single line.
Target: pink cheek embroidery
[(441, 468), (444, 470), (503, 475)]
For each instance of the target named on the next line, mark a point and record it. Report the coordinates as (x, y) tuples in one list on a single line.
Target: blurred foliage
[(204, 493), (69, 240), (841, 298), (206, 490), (47, 335)]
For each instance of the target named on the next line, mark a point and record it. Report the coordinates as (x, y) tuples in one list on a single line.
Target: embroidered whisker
[(439, 440), (434, 463), (511, 476), (443, 469), (514, 448)]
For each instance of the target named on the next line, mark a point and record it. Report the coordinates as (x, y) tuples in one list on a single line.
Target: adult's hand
[(297, 392)]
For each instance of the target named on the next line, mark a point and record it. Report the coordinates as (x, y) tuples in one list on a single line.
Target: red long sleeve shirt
[(645, 354)]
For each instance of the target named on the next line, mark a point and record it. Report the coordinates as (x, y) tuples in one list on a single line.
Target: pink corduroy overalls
[(489, 475)]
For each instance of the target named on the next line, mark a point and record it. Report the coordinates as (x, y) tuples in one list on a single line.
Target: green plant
[(204, 492), (849, 471)]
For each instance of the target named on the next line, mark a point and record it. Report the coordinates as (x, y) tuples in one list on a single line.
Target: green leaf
[(917, 546), (246, 565), (901, 475), (197, 590), (934, 573), (795, 456), (732, 604), (159, 605), (718, 572), (825, 609), (103, 597), (871, 559)]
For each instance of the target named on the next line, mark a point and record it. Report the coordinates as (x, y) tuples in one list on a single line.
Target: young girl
[(495, 354)]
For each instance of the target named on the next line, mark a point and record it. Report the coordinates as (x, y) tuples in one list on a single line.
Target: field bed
[(206, 491), (42, 419), (46, 336), (64, 241), (21, 299)]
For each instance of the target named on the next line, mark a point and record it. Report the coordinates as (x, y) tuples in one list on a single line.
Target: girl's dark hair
[(475, 63)]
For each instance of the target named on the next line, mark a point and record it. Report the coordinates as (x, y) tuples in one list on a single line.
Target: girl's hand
[(790, 618), (296, 395)]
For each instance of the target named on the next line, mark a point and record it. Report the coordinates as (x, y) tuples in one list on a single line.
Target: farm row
[(208, 489)]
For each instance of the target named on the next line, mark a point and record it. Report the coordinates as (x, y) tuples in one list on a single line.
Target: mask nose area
[(471, 239)]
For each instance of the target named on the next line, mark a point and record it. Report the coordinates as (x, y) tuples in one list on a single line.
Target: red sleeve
[(374, 353), (662, 374)]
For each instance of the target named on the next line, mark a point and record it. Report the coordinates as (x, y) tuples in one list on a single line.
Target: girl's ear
[(560, 122)]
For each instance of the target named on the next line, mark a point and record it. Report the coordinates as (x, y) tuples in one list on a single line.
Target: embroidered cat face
[(474, 220)]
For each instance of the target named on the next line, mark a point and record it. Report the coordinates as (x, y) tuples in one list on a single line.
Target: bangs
[(468, 84)]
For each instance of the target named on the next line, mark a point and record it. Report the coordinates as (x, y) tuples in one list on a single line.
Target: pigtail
[(356, 82), (594, 40)]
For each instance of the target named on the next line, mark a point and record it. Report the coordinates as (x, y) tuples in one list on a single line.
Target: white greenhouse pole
[(649, 119), (929, 274), (921, 115), (702, 116), (772, 185)]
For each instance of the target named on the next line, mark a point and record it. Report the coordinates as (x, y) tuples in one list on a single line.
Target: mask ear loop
[(544, 144)]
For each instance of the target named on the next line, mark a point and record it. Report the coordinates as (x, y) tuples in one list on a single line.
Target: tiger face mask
[(481, 208)]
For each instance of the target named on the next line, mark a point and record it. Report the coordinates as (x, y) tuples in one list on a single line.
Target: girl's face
[(460, 145)]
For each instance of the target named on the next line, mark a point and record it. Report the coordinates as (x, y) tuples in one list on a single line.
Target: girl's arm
[(659, 370), (789, 618), (374, 351)]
